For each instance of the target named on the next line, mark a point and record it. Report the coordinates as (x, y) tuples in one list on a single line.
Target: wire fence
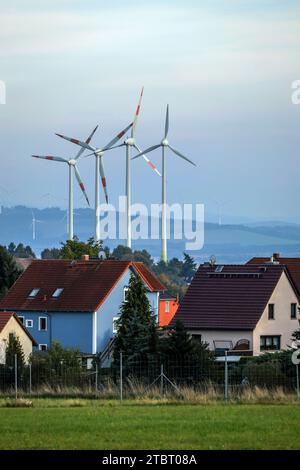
[(139, 376)]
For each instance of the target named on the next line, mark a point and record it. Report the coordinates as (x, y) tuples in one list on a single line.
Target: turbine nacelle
[(165, 142), (130, 141), (72, 162)]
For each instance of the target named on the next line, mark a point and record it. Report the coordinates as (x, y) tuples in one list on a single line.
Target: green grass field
[(111, 425)]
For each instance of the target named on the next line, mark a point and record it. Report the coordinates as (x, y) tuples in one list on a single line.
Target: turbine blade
[(51, 157), (150, 149), (87, 142), (118, 137), (77, 142), (137, 113), (81, 185), (147, 160), (103, 179), (180, 155), (167, 122)]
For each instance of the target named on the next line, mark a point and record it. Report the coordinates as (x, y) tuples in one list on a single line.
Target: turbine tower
[(129, 143), (72, 163), (164, 144), (99, 170)]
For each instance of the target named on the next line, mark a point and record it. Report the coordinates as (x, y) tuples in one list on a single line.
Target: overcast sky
[(224, 66)]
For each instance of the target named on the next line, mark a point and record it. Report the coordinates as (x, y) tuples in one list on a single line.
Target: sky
[(225, 67)]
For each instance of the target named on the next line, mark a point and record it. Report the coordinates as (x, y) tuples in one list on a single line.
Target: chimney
[(276, 256), (85, 257)]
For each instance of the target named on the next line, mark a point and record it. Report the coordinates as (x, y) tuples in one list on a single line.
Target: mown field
[(88, 424)]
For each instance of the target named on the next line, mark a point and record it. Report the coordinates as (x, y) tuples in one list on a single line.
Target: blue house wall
[(71, 329)]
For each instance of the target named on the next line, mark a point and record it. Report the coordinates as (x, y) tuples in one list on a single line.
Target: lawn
[(110, 425)]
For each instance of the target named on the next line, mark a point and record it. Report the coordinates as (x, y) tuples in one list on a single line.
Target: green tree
[(9, 271), (75, 249), (189, 268), (122, 252), (20, 251), (13, 348), (50, 253), (181, 345), (136, 327)]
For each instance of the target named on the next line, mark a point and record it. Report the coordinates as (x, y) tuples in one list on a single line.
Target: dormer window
[(34, 293), (57, 292)]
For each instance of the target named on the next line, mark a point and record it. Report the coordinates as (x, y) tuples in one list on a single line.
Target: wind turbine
[(99, 169), (33, 225), (129, 143), (164, 144), (72, 169)]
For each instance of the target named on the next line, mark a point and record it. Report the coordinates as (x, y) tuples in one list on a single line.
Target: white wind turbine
[(33, 224), (72, 169), (129, 143), (99, 169), (164, 144)]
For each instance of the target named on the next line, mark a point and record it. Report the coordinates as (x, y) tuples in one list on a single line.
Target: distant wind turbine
[(129, 143), (72, 169), (164, 144), (99, 169), (34, 221)]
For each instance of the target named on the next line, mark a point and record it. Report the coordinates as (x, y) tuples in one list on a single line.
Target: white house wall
[(209, 336)]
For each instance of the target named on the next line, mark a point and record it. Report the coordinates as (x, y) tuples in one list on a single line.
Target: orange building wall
[(166, 317)]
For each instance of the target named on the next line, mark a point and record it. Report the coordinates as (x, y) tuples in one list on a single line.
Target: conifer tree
[(136, 326), (13, 348)]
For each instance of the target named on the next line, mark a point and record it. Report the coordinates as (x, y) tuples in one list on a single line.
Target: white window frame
[(40, 347), (27, 323), (125, 290), (115, 331), (22, 319), (167, 306), (43, 329)]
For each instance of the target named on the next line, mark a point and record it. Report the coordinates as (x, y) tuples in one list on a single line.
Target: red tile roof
[(24, 262), (292, 265), (6, 316), (85, 284), (234, 298)]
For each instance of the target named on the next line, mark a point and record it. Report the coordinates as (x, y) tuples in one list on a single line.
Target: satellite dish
[(296, 357), (102, 255), (212, 260)]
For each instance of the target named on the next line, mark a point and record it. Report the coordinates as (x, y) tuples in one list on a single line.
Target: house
[(249, 308), (168, 305), (75, 302), (11, 325)]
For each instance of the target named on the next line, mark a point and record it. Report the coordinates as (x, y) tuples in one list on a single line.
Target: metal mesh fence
[(129, 377)]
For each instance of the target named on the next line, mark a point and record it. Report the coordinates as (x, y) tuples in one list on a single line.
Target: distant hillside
[(229, 243)]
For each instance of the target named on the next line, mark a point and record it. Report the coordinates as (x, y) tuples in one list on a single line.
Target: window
[(29, 323), (293, 311), (42, 323), (271, 311), (115, 327), (57, 292), (270, 343), (22, 320), (125, 290), (43, 347), (34, 292), (167, 306)]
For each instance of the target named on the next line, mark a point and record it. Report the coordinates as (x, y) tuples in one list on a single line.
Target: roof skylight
[(57, 292), (34, 292)]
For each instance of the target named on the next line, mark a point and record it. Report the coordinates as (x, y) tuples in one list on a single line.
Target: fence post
[(121, 376), (30, 380), (226, 378), (96, 379), (297, 380), (16, 376), (161, 379)]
